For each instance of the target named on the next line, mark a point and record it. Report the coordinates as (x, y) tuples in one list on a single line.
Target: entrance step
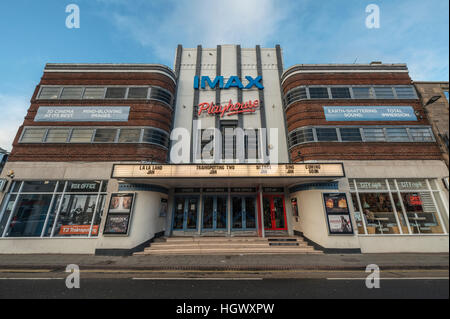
[(228, 246)]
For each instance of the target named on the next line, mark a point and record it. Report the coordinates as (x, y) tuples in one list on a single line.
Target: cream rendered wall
[(185, 97), (313, 224), (404, 244), (273, 100)]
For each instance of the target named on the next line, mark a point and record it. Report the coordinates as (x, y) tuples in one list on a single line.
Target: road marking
[(405, 278), (221, 279), (31, 278)]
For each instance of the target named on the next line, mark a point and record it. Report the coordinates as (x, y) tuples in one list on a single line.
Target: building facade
[(229, 143), (434, 97)]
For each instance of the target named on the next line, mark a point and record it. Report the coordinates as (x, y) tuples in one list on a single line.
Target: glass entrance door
[(185, 214), (243, 210), (274, 212), (214, 212)]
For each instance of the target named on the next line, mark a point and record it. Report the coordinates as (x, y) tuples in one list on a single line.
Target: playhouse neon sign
[(233, 82), (228, 109)]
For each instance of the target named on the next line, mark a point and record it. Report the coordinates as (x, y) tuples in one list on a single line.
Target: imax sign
[(233, 82)]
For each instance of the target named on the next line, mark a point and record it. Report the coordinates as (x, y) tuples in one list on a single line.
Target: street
[(225, 285)]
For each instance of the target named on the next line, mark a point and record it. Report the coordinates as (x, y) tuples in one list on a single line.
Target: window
[(76, 215), (160, 94), (251, 144), (206, 144), (105, 135), (81, 135), (94, 93), (57, 135), (374, 135), (137, 93), (421, 134), (362, 92), (155, 137), (229, 141), (318, 93), (408, 202), (129, 135), (340, 93), (49, 93), (295, 95), (302, 135), (421, 212), (384, 92), (33, 135), (72, 93), (326, 134), (397, 135), (405, 92), (350, 135), (34, 206), (116, 92)]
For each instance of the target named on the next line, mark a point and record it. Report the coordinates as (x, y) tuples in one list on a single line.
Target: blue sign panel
[(82, 114), (369, 113)]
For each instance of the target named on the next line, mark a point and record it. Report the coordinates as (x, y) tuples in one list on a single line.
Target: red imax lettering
[(228, 109)]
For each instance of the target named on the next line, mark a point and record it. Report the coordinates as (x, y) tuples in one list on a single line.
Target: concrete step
[(235, 251), (221, 246)]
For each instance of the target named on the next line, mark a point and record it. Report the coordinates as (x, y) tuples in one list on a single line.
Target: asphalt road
[(225, 286)]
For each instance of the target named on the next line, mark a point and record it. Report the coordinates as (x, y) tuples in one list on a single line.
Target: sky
[(33, 33)]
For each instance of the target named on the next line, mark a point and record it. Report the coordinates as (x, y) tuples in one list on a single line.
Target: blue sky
[(33, 33)]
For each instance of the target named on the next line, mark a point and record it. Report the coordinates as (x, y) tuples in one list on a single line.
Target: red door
[(274, 212)]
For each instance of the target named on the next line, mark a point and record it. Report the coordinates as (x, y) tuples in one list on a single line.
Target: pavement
[(324, 262)]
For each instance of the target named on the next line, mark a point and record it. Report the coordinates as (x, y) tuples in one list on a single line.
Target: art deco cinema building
[(229, 146)]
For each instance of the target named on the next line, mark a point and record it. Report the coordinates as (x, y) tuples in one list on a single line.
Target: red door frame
[(272, 214)]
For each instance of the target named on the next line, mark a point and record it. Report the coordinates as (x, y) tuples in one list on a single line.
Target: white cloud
[(162, 26), (12, 112)]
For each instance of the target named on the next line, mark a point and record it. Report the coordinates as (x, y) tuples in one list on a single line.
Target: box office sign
[(119, 214), (369, 113), (82, 114), (228, 171), (338, 215)]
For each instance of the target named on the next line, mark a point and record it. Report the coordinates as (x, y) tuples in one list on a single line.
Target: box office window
[(318, 93), (49, 93), (340, 93), (33, 135), (397, 206), (116, 92), (91, 93), (105, 135), (57, 135), (80, 135), (53, 209), (71, 93)]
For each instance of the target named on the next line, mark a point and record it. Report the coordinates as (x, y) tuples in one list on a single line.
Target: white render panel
[(251, 120), (273, 101)]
